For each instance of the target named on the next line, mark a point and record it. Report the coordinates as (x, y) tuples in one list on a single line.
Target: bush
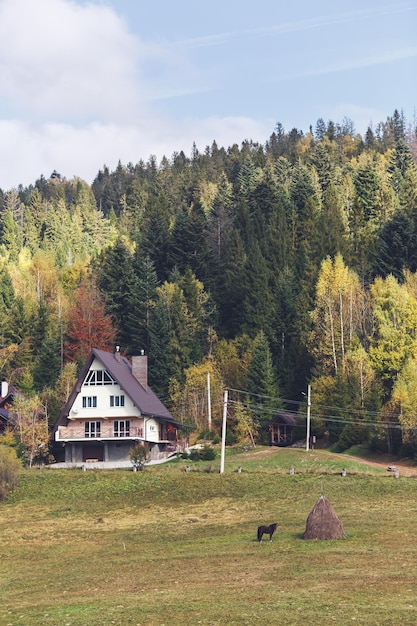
[(207, 453), (194, 455), (139, 454), (10, 467)]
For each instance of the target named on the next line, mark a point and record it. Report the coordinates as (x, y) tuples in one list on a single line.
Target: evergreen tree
[(140, 302), (201, 312), (116, 281), (6, 299), (10, 236), (172, 333), (282, 334), (331, 224), (47, 365), (188, 241), (155, 237), (256, 304), (219, 230), (262, 384), (396, 248), (230, 291)]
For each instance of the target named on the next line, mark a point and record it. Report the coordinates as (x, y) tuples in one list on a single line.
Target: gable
[(104, 372)]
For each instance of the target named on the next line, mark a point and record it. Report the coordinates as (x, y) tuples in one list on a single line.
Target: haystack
[(323, 523)]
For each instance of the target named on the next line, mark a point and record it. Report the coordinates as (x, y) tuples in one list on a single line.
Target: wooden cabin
[(281, 429)]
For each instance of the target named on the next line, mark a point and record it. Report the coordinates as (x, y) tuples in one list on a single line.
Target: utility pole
[(208, 401), (308, 417), (223, 432)]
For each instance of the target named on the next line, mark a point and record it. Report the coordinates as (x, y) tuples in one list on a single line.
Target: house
[(110, 409), (7, 394), (281, 429)]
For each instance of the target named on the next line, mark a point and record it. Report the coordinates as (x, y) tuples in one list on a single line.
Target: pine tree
[(262, 384), (116, 281), (140, 301), (155, 237), (47, 365), (10, 236), (396, 248), (256, 304)]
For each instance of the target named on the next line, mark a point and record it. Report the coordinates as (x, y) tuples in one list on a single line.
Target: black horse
[(266, 530)]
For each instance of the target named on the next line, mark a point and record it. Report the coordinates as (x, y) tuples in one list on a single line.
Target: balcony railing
[(105, 432)]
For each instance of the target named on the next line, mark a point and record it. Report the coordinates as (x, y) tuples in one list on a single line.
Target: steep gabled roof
[(288, 418), (120, 369)]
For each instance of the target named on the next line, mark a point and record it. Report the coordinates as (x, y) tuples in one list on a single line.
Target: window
[(99, 377), (117, 401), (92, 429), (89, 402), (122, 428)]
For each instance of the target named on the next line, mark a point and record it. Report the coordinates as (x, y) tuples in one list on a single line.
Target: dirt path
[(404, 469)]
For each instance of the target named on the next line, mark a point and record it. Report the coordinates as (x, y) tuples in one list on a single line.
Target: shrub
[(10, 467), (207, 453), (194, 454), (139, 454)]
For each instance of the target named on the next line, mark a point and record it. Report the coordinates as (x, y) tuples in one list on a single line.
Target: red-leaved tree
[(89, 326)]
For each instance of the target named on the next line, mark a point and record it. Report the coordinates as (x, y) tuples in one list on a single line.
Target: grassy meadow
[(165, 546)]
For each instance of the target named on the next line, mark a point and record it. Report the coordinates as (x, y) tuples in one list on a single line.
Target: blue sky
[(84, 84)]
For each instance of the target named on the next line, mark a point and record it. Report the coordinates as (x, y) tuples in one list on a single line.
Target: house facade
[(110, 409)]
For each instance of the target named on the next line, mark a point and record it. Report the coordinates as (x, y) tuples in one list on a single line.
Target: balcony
[(77, 433)]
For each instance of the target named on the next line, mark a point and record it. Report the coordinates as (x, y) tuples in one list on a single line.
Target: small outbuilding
[(323, 523), (281, 429)]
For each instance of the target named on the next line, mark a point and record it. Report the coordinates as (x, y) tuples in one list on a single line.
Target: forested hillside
[(270, 266)]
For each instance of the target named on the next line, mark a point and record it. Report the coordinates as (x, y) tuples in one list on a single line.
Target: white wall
[(103, 409)]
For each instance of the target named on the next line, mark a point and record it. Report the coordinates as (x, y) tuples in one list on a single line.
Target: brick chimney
[(117, 354), (140, 369)]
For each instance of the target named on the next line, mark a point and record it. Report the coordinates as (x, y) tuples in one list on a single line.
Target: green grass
[(164, 546)]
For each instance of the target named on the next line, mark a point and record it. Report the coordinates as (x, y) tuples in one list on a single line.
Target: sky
[(86, 84)]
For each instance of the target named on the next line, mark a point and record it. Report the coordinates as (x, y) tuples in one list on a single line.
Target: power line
[(323, 407), (349, 417)]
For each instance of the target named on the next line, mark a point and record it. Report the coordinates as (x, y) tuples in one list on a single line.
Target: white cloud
[(62, 60), (27, 151), (74, 94)]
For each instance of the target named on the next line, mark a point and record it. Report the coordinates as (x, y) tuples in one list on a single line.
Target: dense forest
[(271, 267)]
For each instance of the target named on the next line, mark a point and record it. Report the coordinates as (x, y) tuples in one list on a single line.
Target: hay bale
[(323, 523)]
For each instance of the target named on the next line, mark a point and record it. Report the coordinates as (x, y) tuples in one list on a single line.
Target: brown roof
[(288, 418), (120, 369)]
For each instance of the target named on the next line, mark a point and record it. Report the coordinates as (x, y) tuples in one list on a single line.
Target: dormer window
[(99, 377)]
